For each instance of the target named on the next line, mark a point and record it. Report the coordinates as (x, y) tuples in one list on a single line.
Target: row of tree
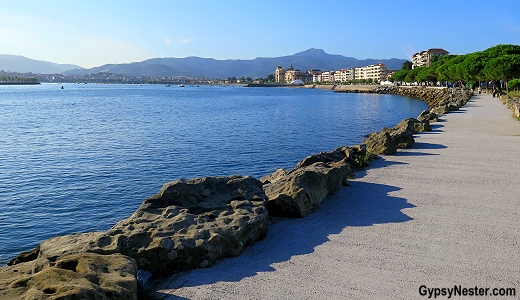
[(16, 79), (498, 63)]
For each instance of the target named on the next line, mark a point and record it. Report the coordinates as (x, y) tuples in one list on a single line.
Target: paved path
[(444, 213)]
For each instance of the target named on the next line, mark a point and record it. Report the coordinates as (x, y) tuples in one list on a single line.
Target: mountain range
[(207, 67), (21, 64)]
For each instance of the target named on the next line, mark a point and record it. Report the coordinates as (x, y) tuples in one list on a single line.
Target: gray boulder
[(380, 143), (427, 115), (440, 110), (299, 192), (350, 153), (76, 276), (189, 224)]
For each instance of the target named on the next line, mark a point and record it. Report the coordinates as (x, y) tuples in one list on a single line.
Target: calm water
[(82, 158)]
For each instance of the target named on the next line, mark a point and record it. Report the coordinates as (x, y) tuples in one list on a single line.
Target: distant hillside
[(21, 64), (258, 67), (134, 69)]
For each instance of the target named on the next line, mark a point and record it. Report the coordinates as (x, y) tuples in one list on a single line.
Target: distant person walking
[(479, 89)]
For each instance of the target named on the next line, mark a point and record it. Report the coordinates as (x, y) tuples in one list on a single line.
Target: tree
[(503, 67), (473, 65), (411, 75), (446, 71), (400, 75), (426, 74), (407, 65), (502, 49), (514, 84)]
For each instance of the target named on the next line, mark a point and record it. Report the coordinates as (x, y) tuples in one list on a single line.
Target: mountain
[(134, 69), (258, 67), (21, 64)]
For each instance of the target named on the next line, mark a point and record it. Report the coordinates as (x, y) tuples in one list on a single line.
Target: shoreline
[(80, 244), (19, 83), (439, 214)]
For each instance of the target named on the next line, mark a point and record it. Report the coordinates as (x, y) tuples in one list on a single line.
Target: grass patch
[(363, 161), (514, 94)]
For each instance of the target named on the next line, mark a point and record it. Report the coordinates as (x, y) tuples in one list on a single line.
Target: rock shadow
[(380, 162), (361, 204), (424, 146), (436, 128), (415, 153)]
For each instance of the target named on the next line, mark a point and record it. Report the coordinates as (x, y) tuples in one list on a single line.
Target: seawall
[(443, 213)]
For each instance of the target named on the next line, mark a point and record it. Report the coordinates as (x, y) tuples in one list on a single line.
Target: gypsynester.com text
[(458, 291)]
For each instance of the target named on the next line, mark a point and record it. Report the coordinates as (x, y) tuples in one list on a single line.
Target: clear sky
[(92, 33)]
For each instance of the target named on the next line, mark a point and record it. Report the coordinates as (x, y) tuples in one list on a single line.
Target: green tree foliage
[(503, 67), (399, 75), (427, 74), (514, 84), (502, 49), (500, 62), (412, 74), (407, 65)]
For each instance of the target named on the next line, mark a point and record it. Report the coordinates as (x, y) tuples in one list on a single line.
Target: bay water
[(84, 157)]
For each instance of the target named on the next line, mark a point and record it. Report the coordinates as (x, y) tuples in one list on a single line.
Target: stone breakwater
[(191, 223), (439, 100), (513, 104)]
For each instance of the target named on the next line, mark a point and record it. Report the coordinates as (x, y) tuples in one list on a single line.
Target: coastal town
[(375, 73)]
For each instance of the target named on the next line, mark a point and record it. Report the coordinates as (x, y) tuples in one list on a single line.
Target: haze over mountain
[(21, 64), (203, 67), (258, 67)]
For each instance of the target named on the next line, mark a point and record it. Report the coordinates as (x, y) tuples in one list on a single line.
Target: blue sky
[(92, 33)]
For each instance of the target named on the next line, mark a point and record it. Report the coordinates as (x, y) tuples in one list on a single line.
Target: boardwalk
[(444, 213)]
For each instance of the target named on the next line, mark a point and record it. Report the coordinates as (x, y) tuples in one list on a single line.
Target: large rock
[(399, 137), (441, 109), (380, 143), (413, 125), (351, 153), (402, 134), (299, 192), (427, 115), (189, 224), (77, 276)]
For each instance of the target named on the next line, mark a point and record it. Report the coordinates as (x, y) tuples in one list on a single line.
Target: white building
[(424, 58), (375, 72), (327, 76)]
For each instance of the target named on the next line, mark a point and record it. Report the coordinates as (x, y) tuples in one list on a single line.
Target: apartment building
[(376, 72), (327, 76), (279, 74), (344, 75), (291, 74), (424, 58)]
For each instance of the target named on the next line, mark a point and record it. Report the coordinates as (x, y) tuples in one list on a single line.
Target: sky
[(93, 33)]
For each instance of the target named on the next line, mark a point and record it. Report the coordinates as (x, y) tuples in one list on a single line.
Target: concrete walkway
[(444, 213)]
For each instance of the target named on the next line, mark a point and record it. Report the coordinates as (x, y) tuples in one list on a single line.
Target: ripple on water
[(83, 158)]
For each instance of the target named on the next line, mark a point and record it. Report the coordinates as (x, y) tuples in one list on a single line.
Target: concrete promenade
[(444, 213)]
